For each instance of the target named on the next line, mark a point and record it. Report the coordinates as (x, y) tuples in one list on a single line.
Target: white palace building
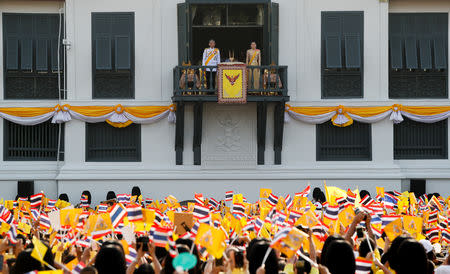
[(354, 92)]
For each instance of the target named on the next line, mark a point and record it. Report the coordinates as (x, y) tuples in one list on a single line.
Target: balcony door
[(232, 24)]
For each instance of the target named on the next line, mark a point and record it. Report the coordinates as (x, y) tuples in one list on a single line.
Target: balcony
[(265, 83)]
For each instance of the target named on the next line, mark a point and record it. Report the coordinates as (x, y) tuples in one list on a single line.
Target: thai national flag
[(351, 197), (44, 221), (446, 235), (131, 256), (86, 242), (194, 229), (304, 193), (342, 202), (433, 234), (158, 217), (289, 202), (363, 266), (433, 217), (36, 200), (117, 214), (272, 200), (102, 208), (7, 216), (331, 212), (134, 213), (35, 214), (200, 211), (123, 198), (198, 197), (396, 193), (389, 201), (293, 216), (84, 201), (229, 196), (367, 200), (51, 204), (258, 224), (386, 219), (213, 202), (160, 236), (239, 210), (78, 268), (12, 235)]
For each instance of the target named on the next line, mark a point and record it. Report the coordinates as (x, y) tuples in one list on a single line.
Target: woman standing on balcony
[(253, 59)]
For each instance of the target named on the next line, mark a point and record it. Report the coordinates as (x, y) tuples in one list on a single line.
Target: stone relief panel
[(229, 136)]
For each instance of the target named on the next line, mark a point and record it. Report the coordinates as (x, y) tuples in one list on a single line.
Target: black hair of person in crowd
[(25, 263), (391, 255), (327, 243), (316, 193), (363, 193), (110, 195), (88, 194), (256, 250), (189, 243), (89, 270), (144, 269), (411, 258), (136, 191), (111, 258), (339, 258), (63, 197), (364, 248)]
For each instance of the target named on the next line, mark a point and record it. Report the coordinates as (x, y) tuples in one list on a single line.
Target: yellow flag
[(291, 243), (24, 227), (412, 199), (308, 219), (380, 191), (264, 193), (58, 271), (413, 225), (171, 201), (212, 239), (394, 229), (39, 250), (4, 227), (9, 204), (70, 216), (238, 198), (346, 216), (71, 265), (333, 193)]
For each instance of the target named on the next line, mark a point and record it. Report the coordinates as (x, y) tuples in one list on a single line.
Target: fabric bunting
[(342, 116), (117, 116)]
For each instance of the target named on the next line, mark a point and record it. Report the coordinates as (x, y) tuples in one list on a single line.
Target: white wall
[(156, 55)]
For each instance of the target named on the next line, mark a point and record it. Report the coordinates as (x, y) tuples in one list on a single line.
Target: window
[(342, 54), (105, 143), (414, 140), (418, 48), (30, 50), (32, 143), (351, 143), (113, 55)]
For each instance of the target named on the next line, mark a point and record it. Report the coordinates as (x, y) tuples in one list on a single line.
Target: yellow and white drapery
[(117, 116), (342, 116)]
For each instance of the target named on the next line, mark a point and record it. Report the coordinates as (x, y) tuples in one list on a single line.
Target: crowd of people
[(331, 231)]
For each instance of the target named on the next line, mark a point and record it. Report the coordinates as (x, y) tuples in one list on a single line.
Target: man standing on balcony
[(211, 58)]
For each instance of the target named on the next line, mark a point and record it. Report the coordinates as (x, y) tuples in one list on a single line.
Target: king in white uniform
[(211, 57)]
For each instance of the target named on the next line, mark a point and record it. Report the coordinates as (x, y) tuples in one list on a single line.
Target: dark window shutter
[(333, 51), (352, 31), (440, 34), (54, 54), (183, 42), (26, 54), (12, 53), (396, 40), (353, 51), (411, 43), (41, 55), (332, 33), (274, 32), (123, 52), (103, 53), (425, 54)]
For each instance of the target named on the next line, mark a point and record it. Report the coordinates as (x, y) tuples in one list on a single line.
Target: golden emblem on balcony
[(232, 88)]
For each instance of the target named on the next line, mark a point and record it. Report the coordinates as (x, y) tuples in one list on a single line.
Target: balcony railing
[(265, 83)]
